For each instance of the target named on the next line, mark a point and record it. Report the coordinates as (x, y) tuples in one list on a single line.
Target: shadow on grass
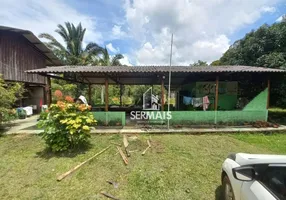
[(48, 154), (218, 193)]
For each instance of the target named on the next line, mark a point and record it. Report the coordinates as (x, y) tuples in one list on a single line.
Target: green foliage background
[(10, 92), (264, 47)]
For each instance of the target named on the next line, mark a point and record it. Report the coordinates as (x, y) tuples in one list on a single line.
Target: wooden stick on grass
[(149, 146), (109, 195), (81, 164), (115, 144), (123, 156), (125, 143)]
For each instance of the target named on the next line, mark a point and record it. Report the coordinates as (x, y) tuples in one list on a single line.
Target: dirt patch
[(140, 144), (157, 147)]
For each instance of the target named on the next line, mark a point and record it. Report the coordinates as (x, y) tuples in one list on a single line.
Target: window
[(274, 178)]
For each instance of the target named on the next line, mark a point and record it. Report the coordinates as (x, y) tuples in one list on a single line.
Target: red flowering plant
[(58, 94), (66, 125)]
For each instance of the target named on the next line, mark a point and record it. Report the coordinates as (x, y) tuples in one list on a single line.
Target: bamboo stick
[(123, 156), (149, 146), (81, 164)]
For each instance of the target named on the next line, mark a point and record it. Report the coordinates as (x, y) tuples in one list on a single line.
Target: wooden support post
[(121, 95), (162, 94), (106, 94), (49, 91), (89, 94), (216, 92), (268, 93)]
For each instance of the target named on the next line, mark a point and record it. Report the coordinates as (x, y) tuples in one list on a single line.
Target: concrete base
[(28, 126), (21, 125), (189, 130)]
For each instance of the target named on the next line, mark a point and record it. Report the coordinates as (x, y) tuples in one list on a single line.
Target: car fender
[(227, 167)]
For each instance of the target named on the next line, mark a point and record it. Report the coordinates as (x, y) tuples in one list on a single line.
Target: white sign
[(143, 115)]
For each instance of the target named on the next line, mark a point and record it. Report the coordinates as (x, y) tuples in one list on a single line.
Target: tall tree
[(215, 63), (106, 60), (199, 63), (72, 52), (264, 47)]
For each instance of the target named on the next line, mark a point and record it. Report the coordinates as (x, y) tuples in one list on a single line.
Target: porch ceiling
[(152, 75)]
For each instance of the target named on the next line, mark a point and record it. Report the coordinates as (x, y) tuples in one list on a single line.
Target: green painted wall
[(213, 117), (255, 110), (226, 101), (110, 118), (259, 102)]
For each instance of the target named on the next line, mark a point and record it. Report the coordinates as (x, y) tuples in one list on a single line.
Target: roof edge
[(50, 58)]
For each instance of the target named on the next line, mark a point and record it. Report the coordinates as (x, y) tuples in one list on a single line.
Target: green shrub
[(66, 125), (9, 93)]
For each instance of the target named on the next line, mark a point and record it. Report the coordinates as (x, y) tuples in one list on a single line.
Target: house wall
[(36, 95), (258, 103), (255, 110), (227, 100), (17, 55)]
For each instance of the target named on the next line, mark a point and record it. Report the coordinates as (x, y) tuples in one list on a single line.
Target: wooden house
[(21, 50)]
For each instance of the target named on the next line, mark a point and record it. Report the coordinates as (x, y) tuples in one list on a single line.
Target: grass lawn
[(273, 142), (176, 167)]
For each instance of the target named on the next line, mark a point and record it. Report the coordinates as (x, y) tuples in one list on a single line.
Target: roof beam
[(114, 79), (61, 78)]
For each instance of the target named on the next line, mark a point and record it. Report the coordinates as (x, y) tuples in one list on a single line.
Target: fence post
[(216, 97)]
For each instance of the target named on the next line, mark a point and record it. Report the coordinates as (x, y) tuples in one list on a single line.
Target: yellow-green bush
[(66, 125)]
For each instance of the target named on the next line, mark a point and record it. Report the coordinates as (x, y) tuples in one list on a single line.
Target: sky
[(141, 29)]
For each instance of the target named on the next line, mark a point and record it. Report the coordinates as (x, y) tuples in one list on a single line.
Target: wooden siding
[(17, 55)]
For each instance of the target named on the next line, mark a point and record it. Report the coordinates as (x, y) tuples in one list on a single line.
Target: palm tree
[(72, 52), (106, 60)]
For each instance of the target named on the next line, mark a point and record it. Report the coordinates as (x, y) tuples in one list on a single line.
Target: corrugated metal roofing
[(51, 58), (152, 69)]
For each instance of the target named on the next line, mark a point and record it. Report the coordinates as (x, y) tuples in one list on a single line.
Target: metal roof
[(153, 69), (51, 59)]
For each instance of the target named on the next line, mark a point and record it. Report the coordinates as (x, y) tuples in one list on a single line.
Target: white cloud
[(279, 19), (269, 9), (125, 60), (201, 30), (117, 33), (110, 47), (43, 17)]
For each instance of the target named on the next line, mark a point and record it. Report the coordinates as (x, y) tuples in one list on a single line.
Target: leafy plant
[(66, 125), (10, 92)]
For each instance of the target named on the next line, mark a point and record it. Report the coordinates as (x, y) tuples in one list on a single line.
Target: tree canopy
[(265, 47), (199, 63), (72, 52)]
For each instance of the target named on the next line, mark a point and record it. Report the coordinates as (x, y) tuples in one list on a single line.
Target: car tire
[(227, 191)]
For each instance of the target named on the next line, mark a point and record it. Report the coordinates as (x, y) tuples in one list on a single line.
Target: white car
[(254, 177)]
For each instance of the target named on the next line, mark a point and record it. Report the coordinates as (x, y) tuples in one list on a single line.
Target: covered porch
[(237, 95)]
